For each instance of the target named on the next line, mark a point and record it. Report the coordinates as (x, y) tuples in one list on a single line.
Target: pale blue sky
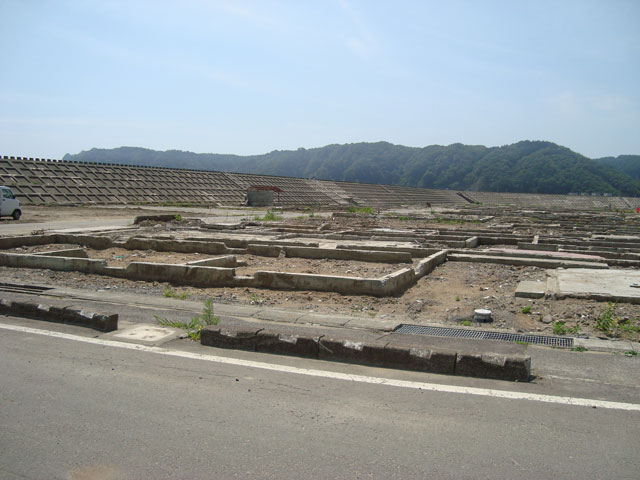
[(249, 77)]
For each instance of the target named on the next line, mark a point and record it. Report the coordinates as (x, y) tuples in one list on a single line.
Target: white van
[(9, 204)]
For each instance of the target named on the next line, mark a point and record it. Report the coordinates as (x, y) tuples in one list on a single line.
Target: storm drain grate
[(566, 342), (12, 287)]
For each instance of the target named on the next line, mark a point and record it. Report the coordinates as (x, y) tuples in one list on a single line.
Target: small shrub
[(631, 353), (526, 309), (466, 323), (178, 217), (458, 298)]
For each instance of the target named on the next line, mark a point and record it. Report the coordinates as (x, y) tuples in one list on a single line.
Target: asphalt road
[(78, 410)]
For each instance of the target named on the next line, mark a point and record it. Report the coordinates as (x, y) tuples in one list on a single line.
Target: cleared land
[(448, 295)]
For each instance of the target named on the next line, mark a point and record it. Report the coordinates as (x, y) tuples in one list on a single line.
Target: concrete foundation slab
[(602, 285), (529, 289)]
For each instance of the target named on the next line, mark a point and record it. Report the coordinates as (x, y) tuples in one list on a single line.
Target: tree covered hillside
[(525, 167)]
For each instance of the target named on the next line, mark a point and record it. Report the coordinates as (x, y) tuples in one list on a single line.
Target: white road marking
[(434, 387)]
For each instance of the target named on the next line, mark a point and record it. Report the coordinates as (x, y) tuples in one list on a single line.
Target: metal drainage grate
[(12, 287), (566, 342)]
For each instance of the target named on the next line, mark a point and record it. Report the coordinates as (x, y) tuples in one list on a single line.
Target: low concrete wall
[(393, 284), (427, 265), (93, 241), (27, 241), (537, 246), (471, 242), (264, 250), (85, 265), (348, 254), (227, 261), (69, 253), (179, 246), (177, 274)]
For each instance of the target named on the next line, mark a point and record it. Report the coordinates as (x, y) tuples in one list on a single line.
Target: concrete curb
[(409, 352), (103, 322)]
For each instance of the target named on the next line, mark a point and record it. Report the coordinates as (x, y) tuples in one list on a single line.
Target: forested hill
[(527, 167)]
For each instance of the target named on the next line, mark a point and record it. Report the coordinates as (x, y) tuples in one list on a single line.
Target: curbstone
[(412, 354), (496, 366), (103, 322), (363, 348), (241, 337), (288, 341)]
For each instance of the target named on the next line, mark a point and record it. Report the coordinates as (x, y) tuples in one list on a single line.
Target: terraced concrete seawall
[(46, 181)]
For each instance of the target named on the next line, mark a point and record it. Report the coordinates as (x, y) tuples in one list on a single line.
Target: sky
[(250, 77)]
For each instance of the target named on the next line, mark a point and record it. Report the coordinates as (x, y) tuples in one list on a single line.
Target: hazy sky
[(249, 77)]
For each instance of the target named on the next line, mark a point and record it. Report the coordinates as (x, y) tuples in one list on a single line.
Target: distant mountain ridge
[(523, 167)]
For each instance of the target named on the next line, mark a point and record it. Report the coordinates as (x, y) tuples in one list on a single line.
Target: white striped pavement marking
[(434, 387)]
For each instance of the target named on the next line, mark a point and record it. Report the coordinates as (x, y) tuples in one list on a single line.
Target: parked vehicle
[(9, 204)]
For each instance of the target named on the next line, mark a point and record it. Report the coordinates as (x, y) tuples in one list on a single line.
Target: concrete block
[(283, 340), (411, 353), (26, 309), (5, 305), (239, 335), (493, 365), (353, 347)]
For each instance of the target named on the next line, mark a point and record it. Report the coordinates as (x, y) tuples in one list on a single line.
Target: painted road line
[(483, 392)]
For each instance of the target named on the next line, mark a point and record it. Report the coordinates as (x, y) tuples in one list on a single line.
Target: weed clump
[(196, 324)]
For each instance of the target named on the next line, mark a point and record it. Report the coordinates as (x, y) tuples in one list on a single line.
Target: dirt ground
[(447, 296)]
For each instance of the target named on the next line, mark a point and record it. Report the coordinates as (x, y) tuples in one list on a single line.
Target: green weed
[(579, 349), (458, 298), (196, 324), (270, 216), (178, 217), (171, 293), (361, 210), (526, 309), (520, 342), (631, 353), (560, 328), (466, 323), (611, 324)]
